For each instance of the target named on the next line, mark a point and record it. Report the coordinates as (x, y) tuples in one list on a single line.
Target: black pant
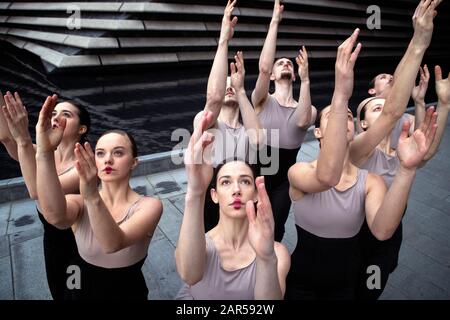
[(60, 251), (383, 254)]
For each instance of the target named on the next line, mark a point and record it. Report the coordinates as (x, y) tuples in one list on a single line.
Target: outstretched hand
[(442, 87), (302, 62), (48, 137), (228, 24), (16, 116), (199, 169), (261, 224), (418, 92), (345, 62), (423, 22), (411, 150), (87, 170), (238, 72), (278, 9)]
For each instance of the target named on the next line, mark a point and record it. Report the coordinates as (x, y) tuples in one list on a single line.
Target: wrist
[(274, 22), (44, 155), (241, 92), (407, 172), (270, 259), (419, 103), (24, 141), (304, 80), (93, 199), (223, 41), (192, 194)]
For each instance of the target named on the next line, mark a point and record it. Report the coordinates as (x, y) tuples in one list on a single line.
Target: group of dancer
[(348, 204)]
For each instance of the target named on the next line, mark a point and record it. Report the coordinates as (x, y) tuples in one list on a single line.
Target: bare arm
[(396, 103), (190, 253), (5, 135), (50, 193), (418, 95), (217, 78), (327, 173), (443, 108), (307, 113), (249, 117), (261, 91), (384, 211), (272, 259)]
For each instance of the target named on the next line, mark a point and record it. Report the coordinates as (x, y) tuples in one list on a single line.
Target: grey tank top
[(382, 164), (332, 213), (91, 251), (229, 143), (395, 134), (284, 119), (219, 284)]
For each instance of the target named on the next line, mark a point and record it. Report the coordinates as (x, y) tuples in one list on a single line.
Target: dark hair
[(213, 183), (362, 113), (134, 150), (318, 118), (372, 83), (85, 119)]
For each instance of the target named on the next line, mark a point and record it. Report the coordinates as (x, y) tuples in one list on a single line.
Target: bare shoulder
[(374, 182), (151, 205)]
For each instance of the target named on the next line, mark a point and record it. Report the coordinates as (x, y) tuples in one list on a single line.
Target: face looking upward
[(235, 185), (73, 129), (324, 115), (382, 85), (283, 69), (371, 112), (114, 157)]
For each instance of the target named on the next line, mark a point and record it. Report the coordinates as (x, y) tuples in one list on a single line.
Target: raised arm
[(384, 210), (418, 96), (306, 177), (261, 91), (190, 253), (249, 117), (219, 71), (404, 81), (5, 135), (272, 258), (307, 113), (109, 234), (16, 117), (50, 193), (443, 108)]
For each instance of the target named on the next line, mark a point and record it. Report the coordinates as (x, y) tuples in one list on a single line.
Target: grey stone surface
[(38, 35), (165, 186), (174, 25), (160, 271), (166, 42), (170, 222), (79, 61), (63, 6), (5, 210), (91, 42), (23, 216), (178, 202), (142, 186), (173, 8), (49, 55), (26, 235), (180, 177), (6, 287), (143, 58), (4, 246), (29, 278)]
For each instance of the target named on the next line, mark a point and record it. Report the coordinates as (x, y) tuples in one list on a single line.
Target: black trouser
[(98, 283), (60, 251), (383, 254), (323, 268)]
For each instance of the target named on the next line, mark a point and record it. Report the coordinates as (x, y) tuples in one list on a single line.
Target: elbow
[(33, 195), (57, 222), (190, 279), (328, 180), (383, 235)]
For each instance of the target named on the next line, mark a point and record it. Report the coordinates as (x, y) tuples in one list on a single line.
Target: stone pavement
[(423, 271)]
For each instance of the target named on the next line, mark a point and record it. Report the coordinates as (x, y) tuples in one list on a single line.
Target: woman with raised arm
[(112, 225), (59, 245), (372, 149), (235, 125), (238, 259), (331, 197), (285, 119)]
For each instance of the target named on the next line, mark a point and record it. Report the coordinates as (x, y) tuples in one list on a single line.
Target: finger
[(405, 130), (432, 132), (207, 139), (354, 55), (241, 58), (90, 154), (18, 99), (352, 41), (80, 159), (250, 210), (305, 53), (438, 73), (7, 115), (234, 21), (427, 73), (262, 193), (232, 68), (428, 120), (10, 104)]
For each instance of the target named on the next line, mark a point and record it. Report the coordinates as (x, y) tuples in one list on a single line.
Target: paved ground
[(423, 271)]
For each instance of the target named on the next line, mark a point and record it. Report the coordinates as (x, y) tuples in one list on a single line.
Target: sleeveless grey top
[(395, 134), (219, 284), (382, 164), (229, 143), (285, 119), (332, 213), (91, 251)]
